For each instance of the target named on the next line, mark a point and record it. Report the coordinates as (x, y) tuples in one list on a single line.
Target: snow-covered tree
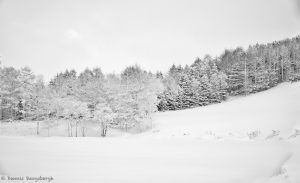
[(218, 83), (10, 88), (168, 96), (142, 90)]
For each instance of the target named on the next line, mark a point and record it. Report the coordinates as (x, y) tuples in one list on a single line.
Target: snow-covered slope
[(251, 139), (276, 109)]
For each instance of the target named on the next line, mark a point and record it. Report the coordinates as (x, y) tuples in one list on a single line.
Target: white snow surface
[(251, 139), (275, 109)]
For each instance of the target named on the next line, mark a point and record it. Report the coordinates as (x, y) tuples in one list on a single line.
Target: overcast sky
[(51, 36)]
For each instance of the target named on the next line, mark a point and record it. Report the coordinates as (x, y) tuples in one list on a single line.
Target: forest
[(128, 99)]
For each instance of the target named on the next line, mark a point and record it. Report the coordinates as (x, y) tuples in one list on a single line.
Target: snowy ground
[(251, 139), (275, 109), (145, 160)]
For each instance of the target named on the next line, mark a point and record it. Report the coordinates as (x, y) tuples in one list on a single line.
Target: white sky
[(51, 36)]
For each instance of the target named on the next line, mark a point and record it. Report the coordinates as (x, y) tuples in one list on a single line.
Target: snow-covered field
[(145, 160), (250, 139)]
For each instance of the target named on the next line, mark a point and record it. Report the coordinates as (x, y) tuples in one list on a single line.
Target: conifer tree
[(236, 79)]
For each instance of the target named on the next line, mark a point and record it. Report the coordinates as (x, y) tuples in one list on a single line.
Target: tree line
[(114, 101), (125, 100), (235, 72)]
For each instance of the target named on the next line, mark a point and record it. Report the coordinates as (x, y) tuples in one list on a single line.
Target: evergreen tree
[(236, 79), (187, 94), (168, 98), (218, 83), (206, 91)]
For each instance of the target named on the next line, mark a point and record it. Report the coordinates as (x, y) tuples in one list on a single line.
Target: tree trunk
[(68, 129), (103, 129), (281, 70), (71, 129), (1, 110), (76, 127), (48, 129), (38, 128), (245, 78), (11, 113), (83, 131)]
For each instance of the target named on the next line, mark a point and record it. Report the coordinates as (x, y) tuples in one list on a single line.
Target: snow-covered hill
[(272, 112), (250, 139)]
